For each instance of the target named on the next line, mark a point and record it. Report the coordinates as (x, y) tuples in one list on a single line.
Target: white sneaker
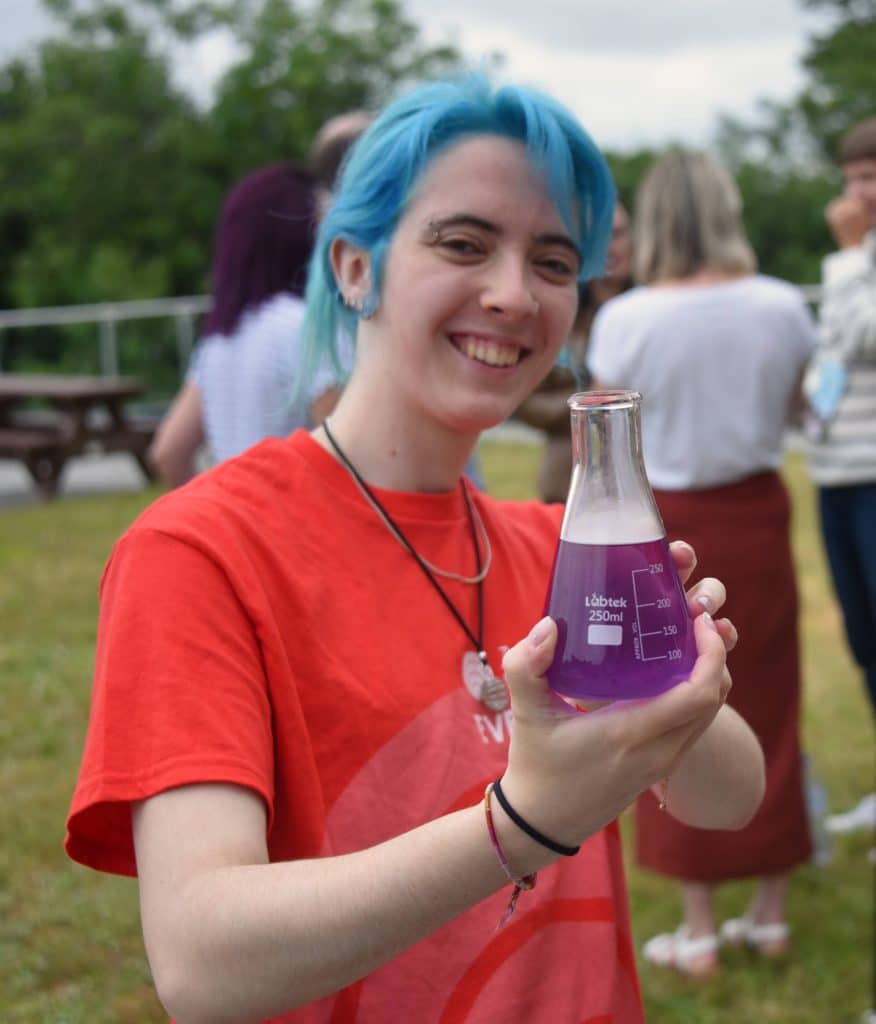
[(861, 816)]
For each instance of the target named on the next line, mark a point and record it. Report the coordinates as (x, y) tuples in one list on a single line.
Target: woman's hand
[(708, 595), (570, 774)]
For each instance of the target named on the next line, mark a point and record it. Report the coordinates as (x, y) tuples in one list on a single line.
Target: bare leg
[(768, 907), (696, 899), (693, 949)]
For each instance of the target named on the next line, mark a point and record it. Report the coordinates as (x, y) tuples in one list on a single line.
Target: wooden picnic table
[(85, 414)]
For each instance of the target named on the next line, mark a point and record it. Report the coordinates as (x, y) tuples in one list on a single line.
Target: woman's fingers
[(621, 748), (728, 634), (524, 666), (708, 595), (701, 695), (685, 558)]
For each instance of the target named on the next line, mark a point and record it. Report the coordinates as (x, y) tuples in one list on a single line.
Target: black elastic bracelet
[(533, 833)]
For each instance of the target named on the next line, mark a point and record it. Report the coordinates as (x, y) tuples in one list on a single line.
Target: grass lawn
[(70, 944)]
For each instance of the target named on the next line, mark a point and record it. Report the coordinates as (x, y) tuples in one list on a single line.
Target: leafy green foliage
[(102, 177), (843, 71), (111, 177), (304, 65), (783, 160), (784, 218), (801, 136), (628, 169)]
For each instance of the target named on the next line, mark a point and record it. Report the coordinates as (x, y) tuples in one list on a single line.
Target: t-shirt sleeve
[(193, 372), (180, 695)]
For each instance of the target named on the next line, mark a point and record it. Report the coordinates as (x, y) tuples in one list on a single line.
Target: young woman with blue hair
[(298, 742)]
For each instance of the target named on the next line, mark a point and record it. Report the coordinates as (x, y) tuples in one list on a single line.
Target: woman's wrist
[(524, 854)]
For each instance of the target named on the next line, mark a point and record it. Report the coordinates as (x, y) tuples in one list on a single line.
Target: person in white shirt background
[(842, 459), (242, 382)]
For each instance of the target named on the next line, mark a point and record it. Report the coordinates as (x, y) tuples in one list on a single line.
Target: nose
[(507, 291)]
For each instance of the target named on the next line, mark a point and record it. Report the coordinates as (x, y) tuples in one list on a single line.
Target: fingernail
[(705, 601), (540, 631), (710, 622)]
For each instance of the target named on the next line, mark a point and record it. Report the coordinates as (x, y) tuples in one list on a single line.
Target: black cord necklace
[(478, 675)]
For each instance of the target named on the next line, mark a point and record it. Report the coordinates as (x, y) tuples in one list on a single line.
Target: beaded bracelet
[(523, 884)]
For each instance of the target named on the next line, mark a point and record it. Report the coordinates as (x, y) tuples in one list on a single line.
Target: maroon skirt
[(741, 534)]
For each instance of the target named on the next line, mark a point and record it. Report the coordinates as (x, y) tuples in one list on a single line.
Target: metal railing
[(184, 310), (107, 315)]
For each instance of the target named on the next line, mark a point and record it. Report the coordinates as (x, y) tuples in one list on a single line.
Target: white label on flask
[(605, 636)]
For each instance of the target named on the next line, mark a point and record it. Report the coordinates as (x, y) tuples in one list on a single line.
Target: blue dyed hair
[(383, 168)]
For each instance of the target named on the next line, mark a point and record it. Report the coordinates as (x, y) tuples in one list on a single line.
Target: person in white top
[(842, 461), (718, 353), (242, 383)]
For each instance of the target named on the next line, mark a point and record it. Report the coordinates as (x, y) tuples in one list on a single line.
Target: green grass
[(70, 944)]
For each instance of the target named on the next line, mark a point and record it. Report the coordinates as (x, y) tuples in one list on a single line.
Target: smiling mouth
[(488, 351)]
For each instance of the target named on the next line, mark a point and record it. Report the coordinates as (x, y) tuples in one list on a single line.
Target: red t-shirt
[(261, 627)]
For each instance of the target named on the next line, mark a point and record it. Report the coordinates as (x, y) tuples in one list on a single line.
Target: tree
[(801, 135), (784, 160), (842, 66), (303, 65), (99, 172), (111, 177)]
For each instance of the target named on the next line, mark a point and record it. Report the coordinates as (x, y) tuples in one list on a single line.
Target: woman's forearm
[(242, 943), (720, 781)]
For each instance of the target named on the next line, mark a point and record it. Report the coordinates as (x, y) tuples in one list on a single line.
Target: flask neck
[(610, 499), (607, 442)]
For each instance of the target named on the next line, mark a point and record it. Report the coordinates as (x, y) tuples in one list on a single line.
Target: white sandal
[(742, 931), (679, 951)]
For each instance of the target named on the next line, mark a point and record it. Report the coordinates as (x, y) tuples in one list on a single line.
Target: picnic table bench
[(85, 414)]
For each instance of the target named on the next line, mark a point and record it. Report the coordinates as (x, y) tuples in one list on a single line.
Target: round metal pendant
[(482, 683)]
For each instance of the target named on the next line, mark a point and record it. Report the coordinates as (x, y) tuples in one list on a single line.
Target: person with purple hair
[(240, 386)]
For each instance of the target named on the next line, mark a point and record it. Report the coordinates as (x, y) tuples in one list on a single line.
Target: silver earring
[(362, 305)]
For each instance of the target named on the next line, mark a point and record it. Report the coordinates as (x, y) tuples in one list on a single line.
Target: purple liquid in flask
[(623, 626)]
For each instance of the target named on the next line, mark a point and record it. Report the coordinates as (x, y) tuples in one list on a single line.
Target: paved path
[(119, 472), (86, 474)]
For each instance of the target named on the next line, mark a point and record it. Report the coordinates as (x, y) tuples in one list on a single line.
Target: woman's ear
[(352, 269)]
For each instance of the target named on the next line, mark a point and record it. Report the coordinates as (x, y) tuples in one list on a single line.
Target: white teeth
[(489, 352)]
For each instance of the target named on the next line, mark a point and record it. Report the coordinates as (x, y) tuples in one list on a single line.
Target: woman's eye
[(558, 267), (462, 246)]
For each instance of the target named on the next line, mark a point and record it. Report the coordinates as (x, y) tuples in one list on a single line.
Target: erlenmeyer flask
[(623, 625)]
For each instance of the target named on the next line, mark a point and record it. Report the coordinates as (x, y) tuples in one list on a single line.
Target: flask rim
[(608, 398)]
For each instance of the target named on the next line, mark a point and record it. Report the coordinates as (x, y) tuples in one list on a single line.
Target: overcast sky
[(635, 71)]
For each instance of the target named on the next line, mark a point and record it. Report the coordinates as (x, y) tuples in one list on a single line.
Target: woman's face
[(479, 288), (619, 260), (860, 183)]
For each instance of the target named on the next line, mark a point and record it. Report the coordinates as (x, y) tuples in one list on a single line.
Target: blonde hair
[(689, 218)]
